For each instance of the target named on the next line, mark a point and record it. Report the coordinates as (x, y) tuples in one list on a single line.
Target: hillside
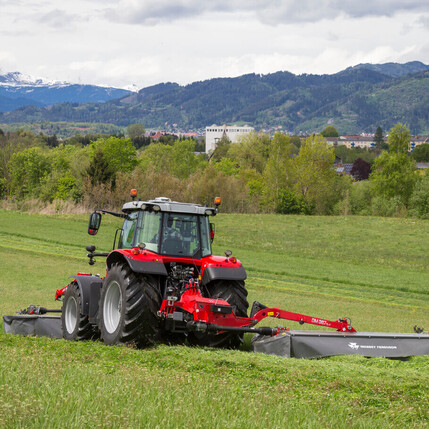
[(394, 69), (354, 100)]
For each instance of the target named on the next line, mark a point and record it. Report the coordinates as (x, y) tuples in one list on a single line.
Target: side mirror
[(94, 223), (212, 231)]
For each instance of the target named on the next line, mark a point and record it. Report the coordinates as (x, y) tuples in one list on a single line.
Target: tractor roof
[(166, 205)]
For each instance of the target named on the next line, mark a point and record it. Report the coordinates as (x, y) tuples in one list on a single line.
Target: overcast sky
[(144, 42)]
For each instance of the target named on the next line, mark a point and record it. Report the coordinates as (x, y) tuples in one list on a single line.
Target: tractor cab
[(165, 227), (167, 232)]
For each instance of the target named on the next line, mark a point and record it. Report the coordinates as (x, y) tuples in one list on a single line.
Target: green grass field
[(374, 270)]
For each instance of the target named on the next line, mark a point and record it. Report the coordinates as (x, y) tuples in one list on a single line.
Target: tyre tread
[(85, 330), (142, 301)]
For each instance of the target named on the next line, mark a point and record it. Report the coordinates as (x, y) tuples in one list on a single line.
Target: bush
[(393, 176), (291, 203), (361, 169), (59, 186), (2, 187), (65, 188), (28, 171), (227, 167), (421, 153), (330, 131), (205, 185), (419, 201), (357, 200), (388, 207)]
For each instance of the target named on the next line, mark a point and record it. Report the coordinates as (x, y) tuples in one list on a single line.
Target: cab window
[(205, 237), (180, 235), (128, 230), (148, 230)]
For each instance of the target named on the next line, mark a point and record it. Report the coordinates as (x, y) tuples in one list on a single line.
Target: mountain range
[(18, 90), (357, 99)]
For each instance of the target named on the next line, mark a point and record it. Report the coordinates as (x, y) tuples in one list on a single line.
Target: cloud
[(119, 72), (59, 19), (15, 33), (359, 9), (423, 51), (270, 12), (6, 57), (153, 12), (423, 21)]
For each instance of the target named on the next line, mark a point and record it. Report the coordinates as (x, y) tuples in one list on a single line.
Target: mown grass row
[(52, 383)]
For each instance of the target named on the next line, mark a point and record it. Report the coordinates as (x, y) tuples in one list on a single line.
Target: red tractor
[(163, 247), (163, 282)]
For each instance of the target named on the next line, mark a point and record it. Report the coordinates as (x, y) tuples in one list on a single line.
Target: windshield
[(170, 234), (180, 235)]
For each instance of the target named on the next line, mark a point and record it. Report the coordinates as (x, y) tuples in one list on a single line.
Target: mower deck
[(34, 324), (298, 344), (316, 344)]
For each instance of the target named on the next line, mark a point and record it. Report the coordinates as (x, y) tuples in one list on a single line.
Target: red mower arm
[(342, 324)]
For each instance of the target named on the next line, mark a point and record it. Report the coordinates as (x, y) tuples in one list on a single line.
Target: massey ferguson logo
[(356, 346)]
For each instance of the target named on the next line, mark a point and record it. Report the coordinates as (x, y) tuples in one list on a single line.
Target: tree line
[(259, 174)]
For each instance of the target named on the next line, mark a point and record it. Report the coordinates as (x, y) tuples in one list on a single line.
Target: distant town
[(212, 134)]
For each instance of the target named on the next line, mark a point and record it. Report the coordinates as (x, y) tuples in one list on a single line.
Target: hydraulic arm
[(191, 311)]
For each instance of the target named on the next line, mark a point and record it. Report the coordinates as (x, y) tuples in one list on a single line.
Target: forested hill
[(354, 100), (394, 69)]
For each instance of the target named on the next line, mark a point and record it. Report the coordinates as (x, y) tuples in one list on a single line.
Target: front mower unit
[(316, 344), (33, 324)]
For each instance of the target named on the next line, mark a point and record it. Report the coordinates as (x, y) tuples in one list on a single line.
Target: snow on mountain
[(132, 88), (19, 90), (17, 79)]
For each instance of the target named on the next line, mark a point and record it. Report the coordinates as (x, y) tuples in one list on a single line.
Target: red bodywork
[(215, 312), (219, 312), (148, 256)]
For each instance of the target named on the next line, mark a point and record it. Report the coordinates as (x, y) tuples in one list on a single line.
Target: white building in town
[(216, 132), (368, 142), (365, 142)]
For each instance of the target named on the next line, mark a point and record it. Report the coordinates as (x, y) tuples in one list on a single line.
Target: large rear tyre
[(235, 293), (129, 302), (74, 324)]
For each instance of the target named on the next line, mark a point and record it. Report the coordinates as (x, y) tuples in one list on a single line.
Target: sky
[(145, 42)]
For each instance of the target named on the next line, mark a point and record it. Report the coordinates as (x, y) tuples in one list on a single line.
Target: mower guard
[(316, 344), (38, 325)]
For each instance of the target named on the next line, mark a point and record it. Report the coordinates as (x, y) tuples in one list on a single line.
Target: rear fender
[(216, 272), (89, 288), (139, 264)]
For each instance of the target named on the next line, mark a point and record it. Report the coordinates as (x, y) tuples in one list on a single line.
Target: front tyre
[(74, 324), (128, 307), (235, 293)]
